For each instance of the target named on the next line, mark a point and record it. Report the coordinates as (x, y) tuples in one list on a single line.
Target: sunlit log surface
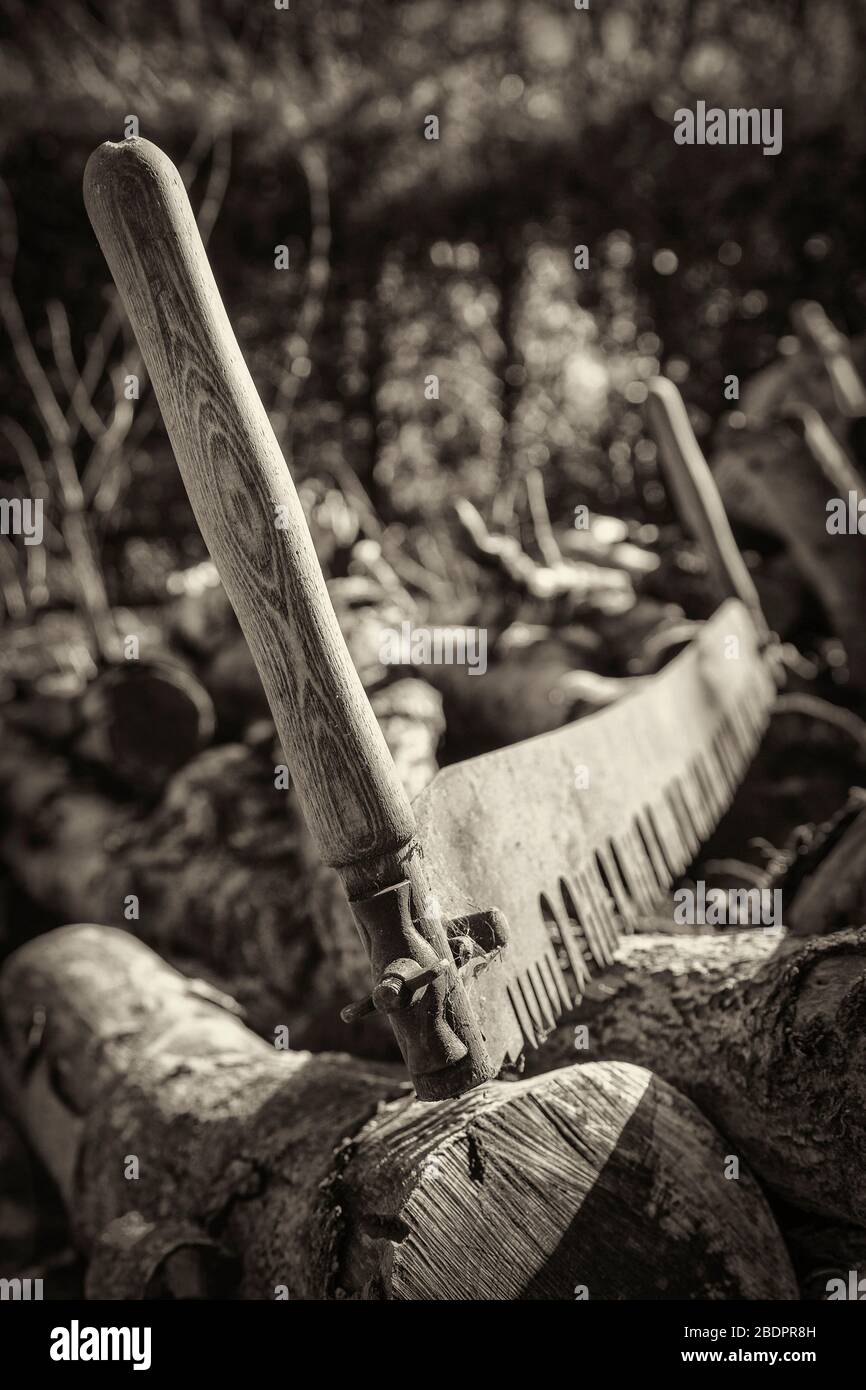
[(765, 1034), (193, 1156)]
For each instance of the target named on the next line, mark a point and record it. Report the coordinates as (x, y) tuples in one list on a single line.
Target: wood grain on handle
[(239, 486), (696, 496), (237, 478)]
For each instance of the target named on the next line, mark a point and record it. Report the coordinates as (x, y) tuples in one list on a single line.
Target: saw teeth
[(664, 850), (720, 780), (620, 854), (599, 885), (690, 813), (728, 756), (709, 788), (641, 867), (547, 1007), (588, 912), (581, 909), (744, 731), (720, 767), (518, 1004), (681, 815), (574, 937), (696, 804), (527, 994), (649, 837), (704, 798), (608, 865), (675, 846), (653, 862), (568, 934), (557, 984), (603, 908)]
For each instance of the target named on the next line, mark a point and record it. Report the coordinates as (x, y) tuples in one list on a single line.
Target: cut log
[(220, 877), (783, 479), (765, 1034), (805, 378), (834, 893), (195, 1158), (229, 672), (825, 1254), (221, 874), (811, 753)]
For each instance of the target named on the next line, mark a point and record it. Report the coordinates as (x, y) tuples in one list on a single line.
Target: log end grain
[(600, 1182), (320, 1178)]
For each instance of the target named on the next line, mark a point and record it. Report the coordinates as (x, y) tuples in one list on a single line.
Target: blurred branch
[(103, 474), (14, 598), (579, 581), (37, 487), (94, 363), (217, 184), (28, 457), (61, 345), (550, 551), (312, 161), (74, 526)]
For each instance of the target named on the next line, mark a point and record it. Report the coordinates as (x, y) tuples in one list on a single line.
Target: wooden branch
[(696, 497), (765, 1034), (585, 584), (314, 165), (74, 525), (196, 1158)]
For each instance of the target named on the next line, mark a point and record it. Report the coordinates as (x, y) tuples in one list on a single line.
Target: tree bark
[(196, 1159), (765, 1034), (223, 872), (834, 894), (781, 479)]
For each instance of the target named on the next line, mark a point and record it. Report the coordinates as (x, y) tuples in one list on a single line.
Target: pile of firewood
[(696, 1129)]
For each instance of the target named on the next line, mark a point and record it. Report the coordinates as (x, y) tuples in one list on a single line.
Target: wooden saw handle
[(254, 527), (696, 496), (240, 488)]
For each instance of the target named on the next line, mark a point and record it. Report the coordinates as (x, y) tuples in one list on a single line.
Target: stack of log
[(695, 1130), (201, 1157), (200, 1161), (708, 1096)]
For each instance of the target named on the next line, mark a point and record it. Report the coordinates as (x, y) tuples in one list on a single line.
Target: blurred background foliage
[(410, 257)]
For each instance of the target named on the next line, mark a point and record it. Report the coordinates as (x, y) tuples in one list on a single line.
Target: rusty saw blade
[(575, 834)]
